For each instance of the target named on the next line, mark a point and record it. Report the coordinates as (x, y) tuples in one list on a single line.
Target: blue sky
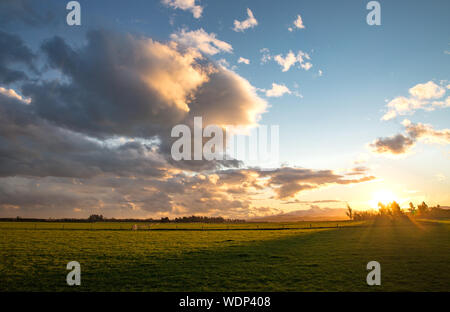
[(362, 68)]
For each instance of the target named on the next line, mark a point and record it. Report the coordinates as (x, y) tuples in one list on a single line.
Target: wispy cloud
[(277, 90), (298, 24), (422, 96), (291, 59), (243, 60), (250, 22), (265, 55), (201, 40), (185, 5)]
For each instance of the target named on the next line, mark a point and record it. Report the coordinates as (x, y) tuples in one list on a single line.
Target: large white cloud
[(121, 85)]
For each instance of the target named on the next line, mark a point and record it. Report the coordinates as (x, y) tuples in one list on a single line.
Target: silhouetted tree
[(383, 209), (349, 212), (395, 209), (95, 218), (422, 209), (412, 209)]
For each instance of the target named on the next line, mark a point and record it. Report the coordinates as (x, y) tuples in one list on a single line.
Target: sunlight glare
[(382, 196)]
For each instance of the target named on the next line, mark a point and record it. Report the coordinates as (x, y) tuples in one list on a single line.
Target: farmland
[(303, 256)]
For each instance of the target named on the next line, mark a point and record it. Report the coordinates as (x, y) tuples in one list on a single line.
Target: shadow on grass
[(412, 259)]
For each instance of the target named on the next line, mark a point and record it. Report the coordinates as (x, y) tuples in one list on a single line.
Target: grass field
[(316, 257)]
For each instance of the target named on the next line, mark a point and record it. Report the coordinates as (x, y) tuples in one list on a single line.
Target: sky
[(87, 110)]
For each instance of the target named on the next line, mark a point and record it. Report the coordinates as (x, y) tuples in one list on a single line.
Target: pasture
[(302, 256)]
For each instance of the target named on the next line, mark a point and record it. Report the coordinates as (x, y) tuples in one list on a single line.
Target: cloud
[(185, 5), (291, 59), (426, 91), (358, 170), (32, 146), (298, 24), (401, 144), (287, 182), (308, 202), (201, 40), (137, 87), (223, 62), (398, 144), (250, 22), (14, 55), (97, 140), (243, 60), (287, 61), (426, 133), (265, 55), (442, 104), (13, 94), (119, 85), (49, 170), (421, 96), (26, 12), (277, 90)]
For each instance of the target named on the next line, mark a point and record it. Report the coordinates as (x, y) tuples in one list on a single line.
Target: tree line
[(392, 210), (101, 218)]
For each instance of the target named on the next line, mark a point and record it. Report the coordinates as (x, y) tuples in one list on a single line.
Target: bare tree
[(349, 212)]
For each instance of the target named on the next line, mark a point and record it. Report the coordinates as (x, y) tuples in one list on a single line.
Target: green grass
[(413, 257), (173, 226)]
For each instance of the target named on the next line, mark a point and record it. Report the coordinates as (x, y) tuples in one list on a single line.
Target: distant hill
[(311, 214)]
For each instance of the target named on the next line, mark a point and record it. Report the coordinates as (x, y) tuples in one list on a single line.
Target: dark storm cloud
[(14, 53), (32, 146), (106, 95), (123, 85), (98, 138), (27, 12)]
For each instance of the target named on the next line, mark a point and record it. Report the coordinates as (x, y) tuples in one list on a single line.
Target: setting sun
[(384, 197)]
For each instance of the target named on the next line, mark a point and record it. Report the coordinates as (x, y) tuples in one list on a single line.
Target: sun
[(384, 197)]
